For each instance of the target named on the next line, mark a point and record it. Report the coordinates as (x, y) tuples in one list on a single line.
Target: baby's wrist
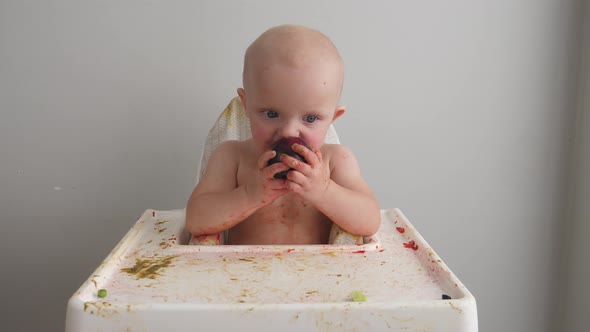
[(250, 198), (323, 196)]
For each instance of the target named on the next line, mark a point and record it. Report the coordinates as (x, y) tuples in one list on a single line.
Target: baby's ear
[(242, 95), (340, 109)]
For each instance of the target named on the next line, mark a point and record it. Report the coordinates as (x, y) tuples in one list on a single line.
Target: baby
[(292, 82)]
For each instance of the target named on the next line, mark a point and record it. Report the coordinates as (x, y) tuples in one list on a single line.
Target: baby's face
[(285, 101)]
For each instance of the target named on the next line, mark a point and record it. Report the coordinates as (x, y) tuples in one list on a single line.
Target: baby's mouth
[(285, 146)]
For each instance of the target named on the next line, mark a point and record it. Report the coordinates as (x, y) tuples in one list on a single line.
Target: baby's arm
[(349, 202), (218, 203), (341, 194)]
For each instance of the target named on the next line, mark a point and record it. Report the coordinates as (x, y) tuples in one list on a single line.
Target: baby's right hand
[(265, 188)]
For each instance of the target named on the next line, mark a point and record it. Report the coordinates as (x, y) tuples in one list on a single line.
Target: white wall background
[(461, 113)]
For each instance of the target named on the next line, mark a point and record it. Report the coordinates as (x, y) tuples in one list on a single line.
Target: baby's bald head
[(293, 46)]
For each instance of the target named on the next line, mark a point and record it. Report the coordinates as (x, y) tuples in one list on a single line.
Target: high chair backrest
[(233, 124)]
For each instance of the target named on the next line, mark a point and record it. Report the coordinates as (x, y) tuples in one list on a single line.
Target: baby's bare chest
[(289, 207), (288, 219)]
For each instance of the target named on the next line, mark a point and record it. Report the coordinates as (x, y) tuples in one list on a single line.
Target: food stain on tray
[(101, 309), (149, 268), (158, 226)]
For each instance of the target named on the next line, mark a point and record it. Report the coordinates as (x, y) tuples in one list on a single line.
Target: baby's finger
[(264, 158), (295, 164), (318, 154), (297, 177), (293, 184), (309, 155), (270, 171)]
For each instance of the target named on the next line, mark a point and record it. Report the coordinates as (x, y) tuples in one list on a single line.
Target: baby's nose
[(290, 130)]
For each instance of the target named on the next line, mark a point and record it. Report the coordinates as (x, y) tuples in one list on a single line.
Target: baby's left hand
[(309, 180)]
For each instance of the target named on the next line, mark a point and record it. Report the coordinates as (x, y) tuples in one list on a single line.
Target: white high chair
[(233, 124), (154, 281)]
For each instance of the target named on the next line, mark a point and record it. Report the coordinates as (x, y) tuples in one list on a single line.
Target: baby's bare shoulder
[(225, 154), (230, 149), (336, 153), (222, 167), (341, 160)]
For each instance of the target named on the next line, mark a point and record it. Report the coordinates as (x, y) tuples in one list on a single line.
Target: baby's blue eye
[(272, 114), (311, 118)]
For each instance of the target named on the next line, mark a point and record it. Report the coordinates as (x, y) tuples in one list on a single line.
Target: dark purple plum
[(283, 146)]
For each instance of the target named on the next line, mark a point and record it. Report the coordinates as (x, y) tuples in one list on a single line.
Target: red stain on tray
[(289, 250), (358, 252), (401, 229), (411, 245)]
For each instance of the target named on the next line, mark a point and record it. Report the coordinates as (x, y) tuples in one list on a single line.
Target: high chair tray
[(155, 282)]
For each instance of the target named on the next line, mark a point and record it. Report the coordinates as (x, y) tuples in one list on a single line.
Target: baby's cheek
[(317, 138), (315, 142), (261, 136)]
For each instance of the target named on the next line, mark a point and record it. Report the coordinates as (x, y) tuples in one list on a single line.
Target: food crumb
[(102, 293), (411, 245), (446, 297), (358, 296)]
